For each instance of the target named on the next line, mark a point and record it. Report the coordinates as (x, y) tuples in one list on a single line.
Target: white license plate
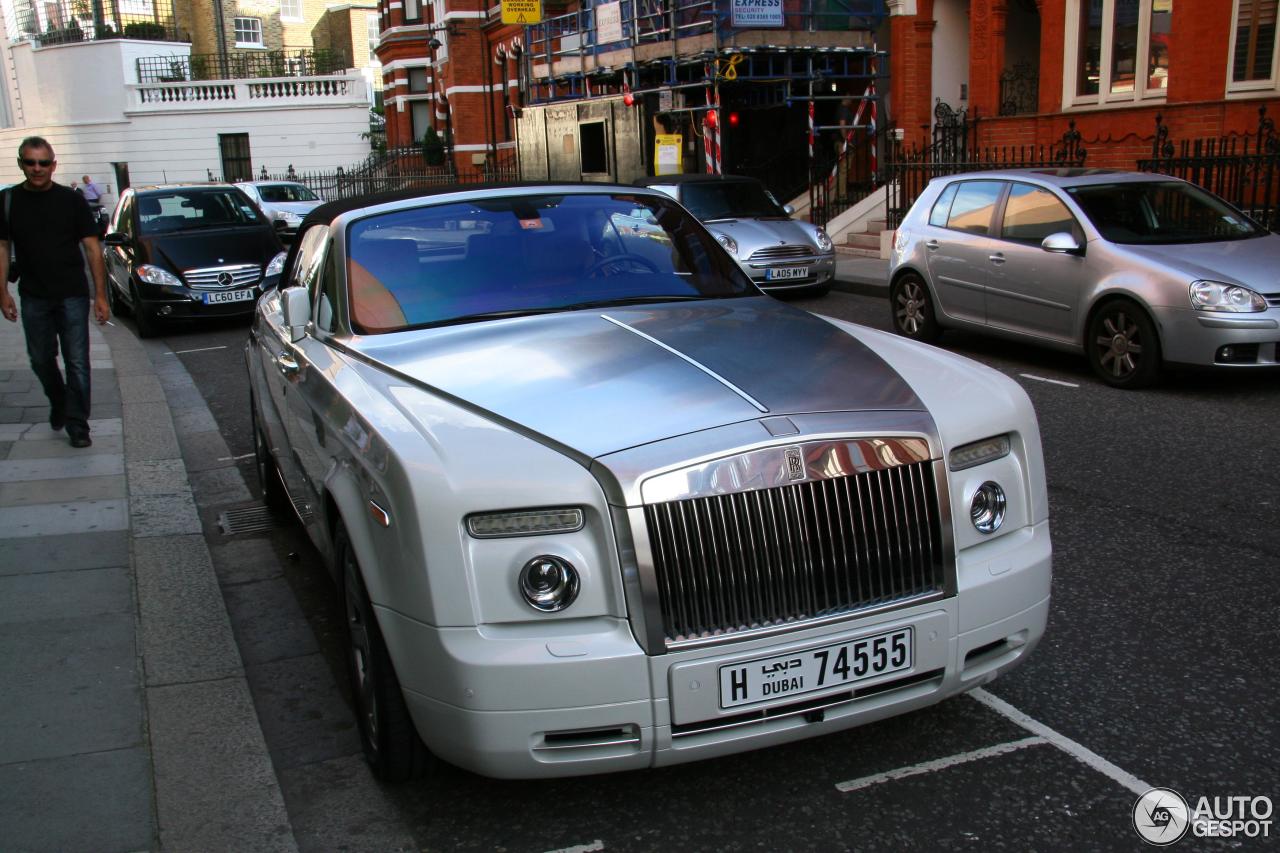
[(815, 669), (228, 296), (780, 273)]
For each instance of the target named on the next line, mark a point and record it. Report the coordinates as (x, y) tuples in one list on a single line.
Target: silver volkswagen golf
[(1135, 270)]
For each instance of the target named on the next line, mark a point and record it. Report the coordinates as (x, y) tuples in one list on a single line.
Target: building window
[(236, 163), (1121, 50), (291, 10), (419, 82), (374, 24), (248, 32), (420, 118), (413, 11), (1253, 52)]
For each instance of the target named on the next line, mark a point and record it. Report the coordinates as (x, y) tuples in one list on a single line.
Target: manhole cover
[(249, 519)]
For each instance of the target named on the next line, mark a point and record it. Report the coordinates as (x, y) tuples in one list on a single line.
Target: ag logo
[(1161, 816)]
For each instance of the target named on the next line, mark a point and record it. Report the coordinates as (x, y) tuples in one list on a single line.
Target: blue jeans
[(47, 324)]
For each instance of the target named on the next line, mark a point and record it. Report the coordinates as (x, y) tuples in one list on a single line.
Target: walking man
[(92, 194), (55, 238)]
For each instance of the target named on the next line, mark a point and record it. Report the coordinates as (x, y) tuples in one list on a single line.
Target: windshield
[(519, 255), (729, 200), (1161, 212), (186, 210), (286, 192)]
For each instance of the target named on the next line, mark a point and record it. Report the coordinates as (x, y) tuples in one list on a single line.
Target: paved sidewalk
[(869, 276), (127, 723)]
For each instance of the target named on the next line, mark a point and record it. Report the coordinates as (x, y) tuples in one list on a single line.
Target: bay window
[(1253, 45), (1120, 50)]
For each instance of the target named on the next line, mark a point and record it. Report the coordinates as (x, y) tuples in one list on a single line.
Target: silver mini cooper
[(1135, 270), (778, 252)]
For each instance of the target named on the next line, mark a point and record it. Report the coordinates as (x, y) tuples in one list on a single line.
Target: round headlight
[(987, 509), (549, 583), (824, 241), (728, 242)]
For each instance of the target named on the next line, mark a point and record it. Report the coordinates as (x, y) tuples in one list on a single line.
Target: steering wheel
[(619, 264)]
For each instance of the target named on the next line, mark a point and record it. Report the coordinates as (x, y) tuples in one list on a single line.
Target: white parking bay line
[(1062, 742), (1050, 381), (581, 848), (201, 349), (939, 764)]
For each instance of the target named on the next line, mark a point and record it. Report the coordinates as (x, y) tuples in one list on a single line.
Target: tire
[(912, 307), (391, 743), (148, 326), (1122, 344), (270, 486), (118, 306)]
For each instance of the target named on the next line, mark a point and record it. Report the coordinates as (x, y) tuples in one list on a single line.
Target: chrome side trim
[(708, 371)]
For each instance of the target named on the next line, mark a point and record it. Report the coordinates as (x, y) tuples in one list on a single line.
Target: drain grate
[(249, 519)]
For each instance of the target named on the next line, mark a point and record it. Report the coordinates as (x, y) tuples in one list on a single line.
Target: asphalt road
[(1156, 670)]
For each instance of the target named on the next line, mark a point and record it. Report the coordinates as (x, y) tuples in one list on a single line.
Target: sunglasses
[(29, 162)]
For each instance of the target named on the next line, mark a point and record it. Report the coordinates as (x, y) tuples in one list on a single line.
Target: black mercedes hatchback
[(187, 251)]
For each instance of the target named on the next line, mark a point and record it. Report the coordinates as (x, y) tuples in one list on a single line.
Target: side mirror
[(295, 302), (115, 238), (788, 209), (1062, 243)]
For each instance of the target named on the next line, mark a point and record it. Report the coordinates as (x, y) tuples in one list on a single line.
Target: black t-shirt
[(46, 229)]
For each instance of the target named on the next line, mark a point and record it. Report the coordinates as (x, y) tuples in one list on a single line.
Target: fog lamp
[(987, 508), (549, 583)]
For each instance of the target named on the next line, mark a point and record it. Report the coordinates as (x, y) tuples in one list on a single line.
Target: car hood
[(600, 381), (752, 235), (1254, 263), (214, 247)]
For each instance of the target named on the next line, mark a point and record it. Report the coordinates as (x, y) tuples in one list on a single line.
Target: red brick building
[(1027, 67), (450, 65)]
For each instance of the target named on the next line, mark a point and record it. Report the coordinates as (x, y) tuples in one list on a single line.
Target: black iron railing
[(396, 169), (69, 21), (1244, 169), (1019, 90), (241, 66)]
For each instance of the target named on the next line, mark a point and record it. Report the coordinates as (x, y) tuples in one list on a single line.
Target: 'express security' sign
[(757, 13)]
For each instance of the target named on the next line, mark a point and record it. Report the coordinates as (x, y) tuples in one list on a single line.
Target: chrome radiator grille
[(779, 253), (241, 275), (754, 559)]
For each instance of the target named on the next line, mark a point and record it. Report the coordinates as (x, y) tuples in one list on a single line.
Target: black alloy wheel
[(391, 743), (912, 308), (1123, 347)]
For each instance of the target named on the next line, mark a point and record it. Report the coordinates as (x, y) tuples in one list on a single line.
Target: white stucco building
[(89, 100)]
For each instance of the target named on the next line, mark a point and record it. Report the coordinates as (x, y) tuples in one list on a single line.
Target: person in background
[(92, 194), (56, 239)]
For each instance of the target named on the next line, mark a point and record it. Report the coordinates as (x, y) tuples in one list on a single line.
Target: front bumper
[(820, 268), (1198, 337), (508, 703), (189, 304)]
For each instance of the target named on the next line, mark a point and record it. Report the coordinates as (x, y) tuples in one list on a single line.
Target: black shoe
[(81, 440), (57, 420)]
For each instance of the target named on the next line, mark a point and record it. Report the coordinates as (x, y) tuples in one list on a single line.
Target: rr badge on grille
[(795, 464)]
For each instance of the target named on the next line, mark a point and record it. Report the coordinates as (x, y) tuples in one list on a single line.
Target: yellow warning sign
[(521, 11)]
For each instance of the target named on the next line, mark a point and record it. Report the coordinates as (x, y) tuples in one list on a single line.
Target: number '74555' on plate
[(815, 669)]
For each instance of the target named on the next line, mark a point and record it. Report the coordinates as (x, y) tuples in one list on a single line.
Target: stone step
[(863, 241), (855, 252)]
